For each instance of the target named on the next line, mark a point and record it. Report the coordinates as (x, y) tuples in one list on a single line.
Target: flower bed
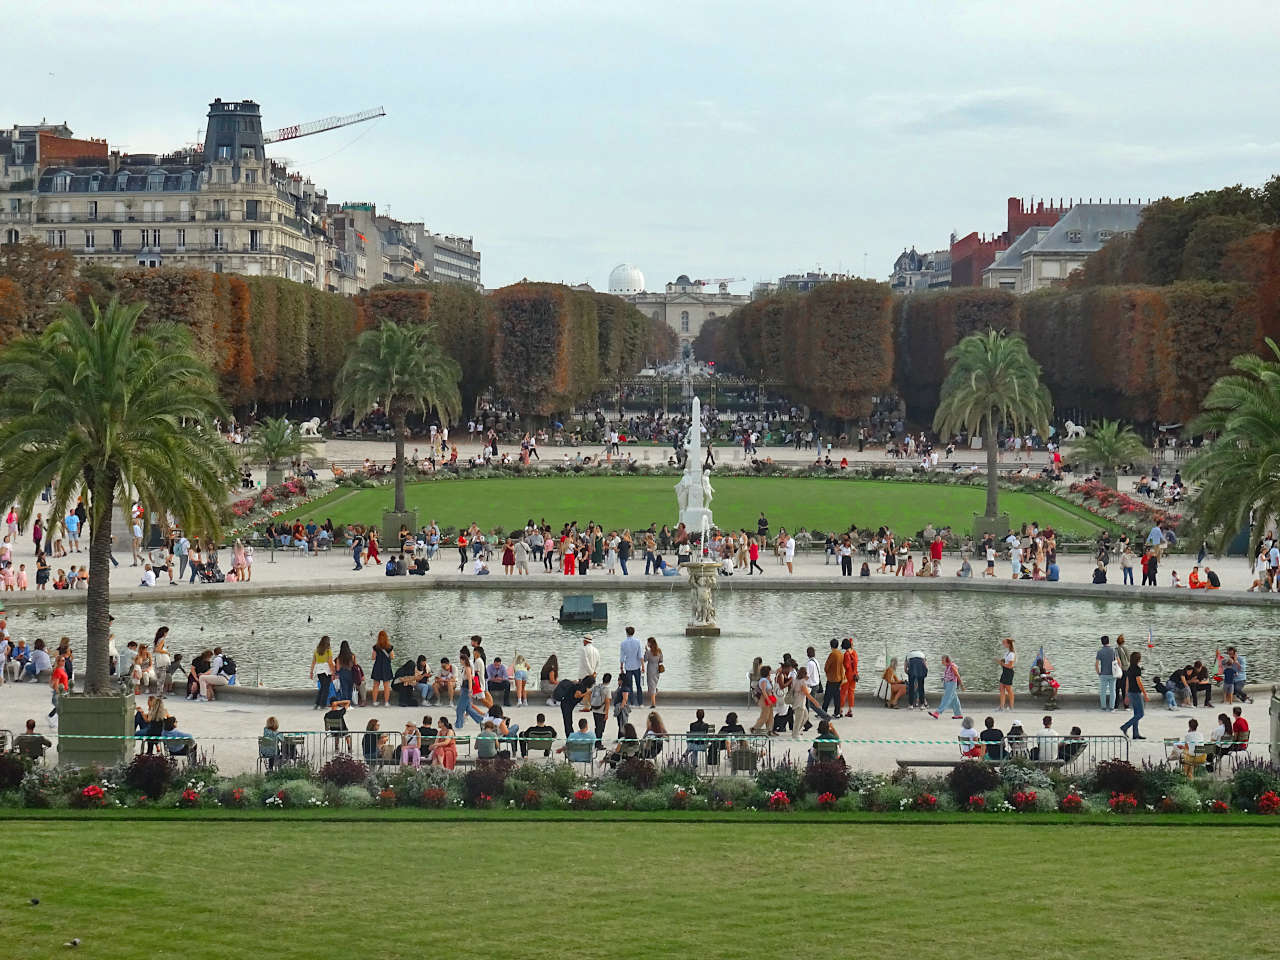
[(1103, 501), (1017, 789)]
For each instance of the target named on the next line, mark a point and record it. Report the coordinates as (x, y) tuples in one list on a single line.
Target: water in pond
[(966, 626)]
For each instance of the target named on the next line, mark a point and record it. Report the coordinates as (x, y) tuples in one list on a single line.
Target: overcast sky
[(718, 139)]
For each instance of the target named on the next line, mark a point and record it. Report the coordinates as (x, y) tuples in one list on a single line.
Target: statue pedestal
[(692, 518), (702, 584)]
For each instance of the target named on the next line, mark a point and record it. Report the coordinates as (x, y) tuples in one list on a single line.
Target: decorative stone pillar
[(702, 585)]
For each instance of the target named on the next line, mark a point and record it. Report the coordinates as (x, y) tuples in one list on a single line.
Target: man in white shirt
[(789, 554), (148, 576), (1046, 741), (588, 660), (630, 664)]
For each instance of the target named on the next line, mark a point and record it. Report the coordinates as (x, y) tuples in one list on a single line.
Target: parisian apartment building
[(222, 206)]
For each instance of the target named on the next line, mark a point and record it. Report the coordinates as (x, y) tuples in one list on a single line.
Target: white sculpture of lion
[(1074, 431), (310, 428)]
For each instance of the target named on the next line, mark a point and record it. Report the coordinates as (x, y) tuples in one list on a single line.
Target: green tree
[(1236, 475), (275, 442), (1108, 445), (992, 380), (403, 369), (94, 407)]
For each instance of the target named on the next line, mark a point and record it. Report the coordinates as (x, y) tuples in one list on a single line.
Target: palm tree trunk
[(989, 442), (397, 421), (98, 597)]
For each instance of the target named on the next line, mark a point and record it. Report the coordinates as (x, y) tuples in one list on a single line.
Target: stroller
[(210, 573)]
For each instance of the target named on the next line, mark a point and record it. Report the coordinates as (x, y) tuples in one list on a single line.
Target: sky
[(717, 139)]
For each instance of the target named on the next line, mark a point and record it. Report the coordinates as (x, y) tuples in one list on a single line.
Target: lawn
[(635, 502), (622, 890)]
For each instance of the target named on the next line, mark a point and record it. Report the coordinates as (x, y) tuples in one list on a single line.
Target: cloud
[(977, 111), (710, 116)]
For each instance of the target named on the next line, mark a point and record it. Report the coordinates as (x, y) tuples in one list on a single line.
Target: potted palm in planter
[(1108, 445), (98, 409), (402, 369), (276, 442), (992, 381)]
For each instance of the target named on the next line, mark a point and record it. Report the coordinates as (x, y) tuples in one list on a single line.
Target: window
[(89, 240), (217, 241), (219, 209), (11, 236), (224, 152), (182, 239), (62, 183), (251, 176), (1074, 236), (94, 181), (251, 209), (15, 206), (684, 321), (117, 239), (142, 240), (57, 238), (155, 181), (246, 153), (155, 238), (122, 180), (221, 177), (217, 266), (255, 240), (93, 209), (184, 210), (19, 153), (1105, 235)]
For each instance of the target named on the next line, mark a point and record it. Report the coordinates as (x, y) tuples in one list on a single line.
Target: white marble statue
[(694, 491)]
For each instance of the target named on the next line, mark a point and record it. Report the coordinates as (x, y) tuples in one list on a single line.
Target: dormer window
[(1074, 236), (1105, 235), (155, 181), (122, 181), (62, 183)]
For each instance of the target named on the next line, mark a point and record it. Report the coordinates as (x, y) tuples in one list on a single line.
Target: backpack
[(228, 666)]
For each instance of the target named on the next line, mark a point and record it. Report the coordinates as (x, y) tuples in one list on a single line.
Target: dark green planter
[(275, 477), (109, 716), (997, 526), (391, 523)]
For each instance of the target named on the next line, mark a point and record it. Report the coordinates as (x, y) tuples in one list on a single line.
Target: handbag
[(662, 668)]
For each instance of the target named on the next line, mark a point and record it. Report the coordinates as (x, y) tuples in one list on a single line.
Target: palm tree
[(276, 441), (992, 381), (1109, 445), (404, 369), (96, 408), (1236, 475)]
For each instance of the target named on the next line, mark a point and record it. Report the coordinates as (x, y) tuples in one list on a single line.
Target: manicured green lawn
[(635, 502), (622, 890)]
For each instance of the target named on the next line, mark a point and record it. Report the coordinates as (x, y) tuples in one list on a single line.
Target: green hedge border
[(420, 815)]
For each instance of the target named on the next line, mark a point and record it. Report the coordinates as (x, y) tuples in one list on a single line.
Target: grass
[(623, 890), (635, 502)]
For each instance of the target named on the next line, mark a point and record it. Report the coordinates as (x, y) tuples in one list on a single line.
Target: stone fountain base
[(702, 630)]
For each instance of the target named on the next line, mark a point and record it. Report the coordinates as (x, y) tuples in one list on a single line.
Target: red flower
[(977, 802), (1072, 803), (1269, 802), (827, 801)]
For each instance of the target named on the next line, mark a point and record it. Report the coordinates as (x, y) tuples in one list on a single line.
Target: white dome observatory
[(625, 280)]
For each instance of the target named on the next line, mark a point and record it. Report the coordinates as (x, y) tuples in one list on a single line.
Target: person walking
[(1122, 656), (753, 552), (1104, 666), (767, 699), (1137, 692), (951, 687), (322, 670), (917, 670)]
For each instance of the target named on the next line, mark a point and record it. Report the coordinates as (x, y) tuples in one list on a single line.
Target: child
[(59, 683), (22, 576), (1173, 580), (9, 577)]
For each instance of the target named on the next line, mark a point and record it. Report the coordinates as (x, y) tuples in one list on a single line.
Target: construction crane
[(722, 282), (320, 126)]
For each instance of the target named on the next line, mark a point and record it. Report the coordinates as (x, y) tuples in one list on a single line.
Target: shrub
[(37, 789), (150, 775), (926, 802), (637, 773), (487, 781), (827, 801), (1251, 781), (1181, 798), (1117, 776), (1022, 775), (1072, 803), (784, 776), (356, 796), (344, 770), (237, 797), (679, 799), (562, 779), (13, 767), (886, 796), (827, 776), (1158, 781), (1269, 803), (677, 774), (1122, 802), (649, 800), (975, 803), (530, 800), (296, 793), (971, 778), (91, 797)]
